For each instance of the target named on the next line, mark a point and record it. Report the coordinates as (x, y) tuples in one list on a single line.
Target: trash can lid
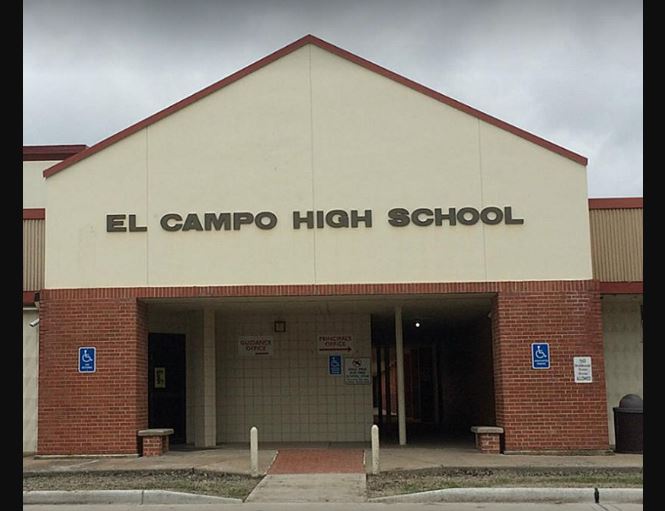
[(631, 403)]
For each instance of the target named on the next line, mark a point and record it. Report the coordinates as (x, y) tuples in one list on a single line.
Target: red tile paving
[(318, 461)]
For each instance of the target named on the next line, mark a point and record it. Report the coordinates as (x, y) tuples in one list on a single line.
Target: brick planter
[(155, 442), (488, 439)]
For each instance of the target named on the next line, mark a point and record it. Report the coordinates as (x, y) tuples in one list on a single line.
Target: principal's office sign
[(319, 219)]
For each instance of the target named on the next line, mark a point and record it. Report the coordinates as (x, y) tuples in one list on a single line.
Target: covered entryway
[(448, 370), (321, 369)]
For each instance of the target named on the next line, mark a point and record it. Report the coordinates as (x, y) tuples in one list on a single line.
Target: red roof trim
[(34, 213), (50, 152), (310, 39), (621, 288), (287, 290), (617, 203)]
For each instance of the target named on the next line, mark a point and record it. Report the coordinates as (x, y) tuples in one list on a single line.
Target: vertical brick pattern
[(153, 446), (545, 409), (488, 443), (92, 413)]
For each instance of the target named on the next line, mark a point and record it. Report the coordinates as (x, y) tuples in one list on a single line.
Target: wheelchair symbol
[(85, 357), (540, 353)]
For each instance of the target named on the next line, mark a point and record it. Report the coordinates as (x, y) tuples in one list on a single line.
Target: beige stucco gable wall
[(34, 184), (314, 131)]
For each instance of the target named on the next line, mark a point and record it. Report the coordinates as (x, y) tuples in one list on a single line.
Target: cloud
[(568, 71)]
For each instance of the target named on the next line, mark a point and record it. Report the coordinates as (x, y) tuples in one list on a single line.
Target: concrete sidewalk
[(222, 460), (413, 458), (235, 460)]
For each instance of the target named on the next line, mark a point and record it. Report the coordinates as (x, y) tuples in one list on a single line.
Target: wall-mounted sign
[(540, 355), (582, 369), (87, 360), (160, 377), (357, 371), (335, 365), (255, 345), (319, 219), (328, 344)]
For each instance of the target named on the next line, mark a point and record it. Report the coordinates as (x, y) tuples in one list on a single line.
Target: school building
[(316, 244)]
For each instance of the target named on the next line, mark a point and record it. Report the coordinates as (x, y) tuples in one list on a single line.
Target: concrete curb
[(175, 497), (563, 495), (621, 495), (122, 497)]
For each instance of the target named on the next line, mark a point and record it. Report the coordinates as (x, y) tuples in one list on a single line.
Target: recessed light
[(417, 324)]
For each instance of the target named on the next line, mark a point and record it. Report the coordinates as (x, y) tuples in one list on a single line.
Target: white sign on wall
[(582, 367), (335, 344), (357, 371), (255, 345)]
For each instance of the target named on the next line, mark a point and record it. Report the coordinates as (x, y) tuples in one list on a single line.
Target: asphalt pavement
[(337, 506)]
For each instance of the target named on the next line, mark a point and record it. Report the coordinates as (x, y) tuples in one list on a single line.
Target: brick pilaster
[(92, 413), (544, 409)]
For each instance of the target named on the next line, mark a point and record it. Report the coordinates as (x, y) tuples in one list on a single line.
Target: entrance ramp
[(318, 461), (314, 475)]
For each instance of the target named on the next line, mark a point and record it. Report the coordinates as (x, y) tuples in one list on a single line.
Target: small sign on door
[(160, 377)]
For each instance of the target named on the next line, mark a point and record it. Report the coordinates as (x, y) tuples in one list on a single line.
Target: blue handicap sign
[(335, 365), (540, 355), (87, 360)]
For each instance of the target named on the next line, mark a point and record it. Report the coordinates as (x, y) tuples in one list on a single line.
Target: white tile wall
[(290, 396)]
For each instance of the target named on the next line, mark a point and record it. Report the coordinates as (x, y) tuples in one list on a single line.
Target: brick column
[(545, 410), (92, 413)]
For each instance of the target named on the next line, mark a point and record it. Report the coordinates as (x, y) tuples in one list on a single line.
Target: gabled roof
[(310, 39)]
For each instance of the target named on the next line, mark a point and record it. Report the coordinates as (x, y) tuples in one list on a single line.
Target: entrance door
[(166, 384)]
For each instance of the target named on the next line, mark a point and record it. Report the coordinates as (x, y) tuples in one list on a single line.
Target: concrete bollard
[(254, 451), (375, 449)]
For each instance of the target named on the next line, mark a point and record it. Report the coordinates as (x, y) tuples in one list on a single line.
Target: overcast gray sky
[(568, 71)]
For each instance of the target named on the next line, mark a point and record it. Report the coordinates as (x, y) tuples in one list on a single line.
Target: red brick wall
[(545, 409), (101, 412)]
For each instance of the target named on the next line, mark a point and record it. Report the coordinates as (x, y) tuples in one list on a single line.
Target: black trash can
[(629, 424)]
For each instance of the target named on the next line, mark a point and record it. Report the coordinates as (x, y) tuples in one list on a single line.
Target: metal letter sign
[(335, 365), (540, 355), (87, 360)]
